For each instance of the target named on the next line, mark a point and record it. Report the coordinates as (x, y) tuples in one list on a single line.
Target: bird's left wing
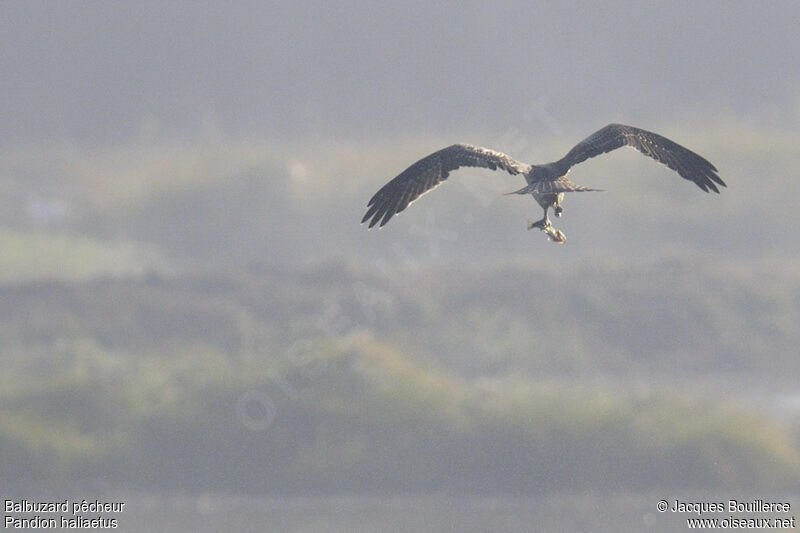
[(429, 172), (686, 163)]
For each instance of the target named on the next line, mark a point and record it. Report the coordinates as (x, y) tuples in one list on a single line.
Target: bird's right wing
[(429, 172), (686, 163)]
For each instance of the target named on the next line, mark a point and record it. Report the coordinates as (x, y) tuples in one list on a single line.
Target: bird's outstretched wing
[(688, 164), (429, 172)]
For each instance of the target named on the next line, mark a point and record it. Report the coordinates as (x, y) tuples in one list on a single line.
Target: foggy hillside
[(335, 379)]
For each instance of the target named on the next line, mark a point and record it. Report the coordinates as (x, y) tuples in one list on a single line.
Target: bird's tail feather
[(553, 187)]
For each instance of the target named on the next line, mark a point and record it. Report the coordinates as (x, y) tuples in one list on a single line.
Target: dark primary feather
[(686, 163), (429, 172)]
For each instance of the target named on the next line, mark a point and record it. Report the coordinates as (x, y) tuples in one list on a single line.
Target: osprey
[(546, 183)]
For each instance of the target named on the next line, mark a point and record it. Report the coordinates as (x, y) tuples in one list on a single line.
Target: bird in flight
[(546, 183)]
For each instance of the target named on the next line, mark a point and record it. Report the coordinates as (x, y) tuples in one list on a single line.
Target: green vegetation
[(332, 379), (37, 255)]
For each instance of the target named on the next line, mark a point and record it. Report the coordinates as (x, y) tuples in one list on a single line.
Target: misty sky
[(119, 105), (101, 72)]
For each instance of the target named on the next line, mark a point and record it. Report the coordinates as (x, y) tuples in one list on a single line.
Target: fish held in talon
[(555, 235)]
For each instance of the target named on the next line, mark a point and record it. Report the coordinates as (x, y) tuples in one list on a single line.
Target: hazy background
[(192, 319)]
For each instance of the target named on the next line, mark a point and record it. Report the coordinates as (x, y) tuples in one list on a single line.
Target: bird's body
[(546, 183)]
